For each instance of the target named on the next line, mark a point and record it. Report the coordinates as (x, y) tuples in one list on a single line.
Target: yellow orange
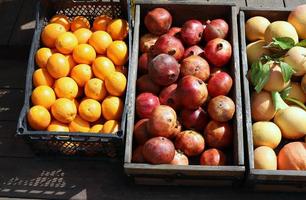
[(95, 89), (66, 87), (81, 74), (61, 19), (44, 96), (50, 33), (102, 67), (100, 40), (76, 103), (117, 51), (79, 125), (79, 22), (71, 62), (100, 23), (83, 35), (90, 110), (58, 66), (115, 83), (112, 108), (84, 54), (38, 118), (64, 110), (42, 55), (66, 42), (118, 29), (58, 126), (97, 128), (42, 77), (110, 126)]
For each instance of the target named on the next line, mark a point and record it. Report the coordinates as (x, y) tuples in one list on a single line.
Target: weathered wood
[(239, 3), (265, 3), (11, 102), (13, 73), (293, 3)]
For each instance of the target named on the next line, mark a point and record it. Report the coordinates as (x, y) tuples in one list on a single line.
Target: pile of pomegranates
[(183, 111)]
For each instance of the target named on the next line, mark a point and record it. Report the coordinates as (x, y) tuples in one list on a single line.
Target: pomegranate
[(196, 66), (217, 28), (147, 41), (190, 142), (164, 69), (145, 103), (143, 63), (192, 92), (137, 156), (194, 119), (219, 84), (221, 108), (158, 150), (218, 52), (177, 130), (169, 45), (191, 32), (179, 159), (168, 96), (162, 121), (173, 31), (218, 134), (145, 84), (158, 21), (193, 50), (141, 134), (213, 157)]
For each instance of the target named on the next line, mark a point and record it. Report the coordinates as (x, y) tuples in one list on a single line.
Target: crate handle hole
[(20, 130)]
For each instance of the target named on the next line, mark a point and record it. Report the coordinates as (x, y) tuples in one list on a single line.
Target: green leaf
[(287, 71), (285, 93), (301, 43), (260, 74), (284, 43), (297, 102)]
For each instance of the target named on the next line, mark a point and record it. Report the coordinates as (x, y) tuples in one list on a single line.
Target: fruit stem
[(279, 103)]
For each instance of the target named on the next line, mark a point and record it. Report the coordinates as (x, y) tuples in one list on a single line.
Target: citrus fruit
[(97, 128), (110, 126), (100, 23), (79, 125), (266, 134), (64, 110), (58, 66), (122, 69), (95, 89), (76, 103), (50, 33), (66, 42), (117, 51), (42, 55), (83, 35), (115, 83), (70, 60), (100, 40), (102, 67), (38, 117), (112, 108), (118, 29), (62, 20), (79, 22), (84, 54), (44, 96), (81, 74), (58, 126), (90, 110), (42, 77), (66, 87)]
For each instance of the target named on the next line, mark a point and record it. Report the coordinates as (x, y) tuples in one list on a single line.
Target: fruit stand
[(145, 99)]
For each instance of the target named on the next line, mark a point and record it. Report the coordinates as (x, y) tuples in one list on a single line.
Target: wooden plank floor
[(23, 175)]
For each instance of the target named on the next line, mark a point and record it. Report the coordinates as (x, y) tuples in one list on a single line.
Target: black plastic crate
[(73, 143)]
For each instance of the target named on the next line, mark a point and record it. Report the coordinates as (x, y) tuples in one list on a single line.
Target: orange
[(81, 74), (84, 54), (66, 87), (58, 66), (64, 110), (50, 33), (118, 29), (79, 125), (112, 108), (83, 35), (62, 20), (102, 67), (42, 55), (76, 103), (44, 96), (95, 89), (71, 62), (110, 126), (122, 69), (66, 42), (58, 126), (42, 77), (97, 128), (100, 23), (38, 118), (90, 110), (79, 22), (117, 52), (100, 40), (115, 83)]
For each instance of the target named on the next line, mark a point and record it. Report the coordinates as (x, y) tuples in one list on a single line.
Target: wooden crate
[(192, 174), (282, 180)]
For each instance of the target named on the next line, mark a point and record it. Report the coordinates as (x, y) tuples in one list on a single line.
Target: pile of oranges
[(81, 75)]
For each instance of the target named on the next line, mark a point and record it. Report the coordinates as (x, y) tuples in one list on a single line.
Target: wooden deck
[(23, 175)]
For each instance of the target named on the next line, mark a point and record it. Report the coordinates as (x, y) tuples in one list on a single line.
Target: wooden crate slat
[(239, 3), (293, 3), (265, 3)]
